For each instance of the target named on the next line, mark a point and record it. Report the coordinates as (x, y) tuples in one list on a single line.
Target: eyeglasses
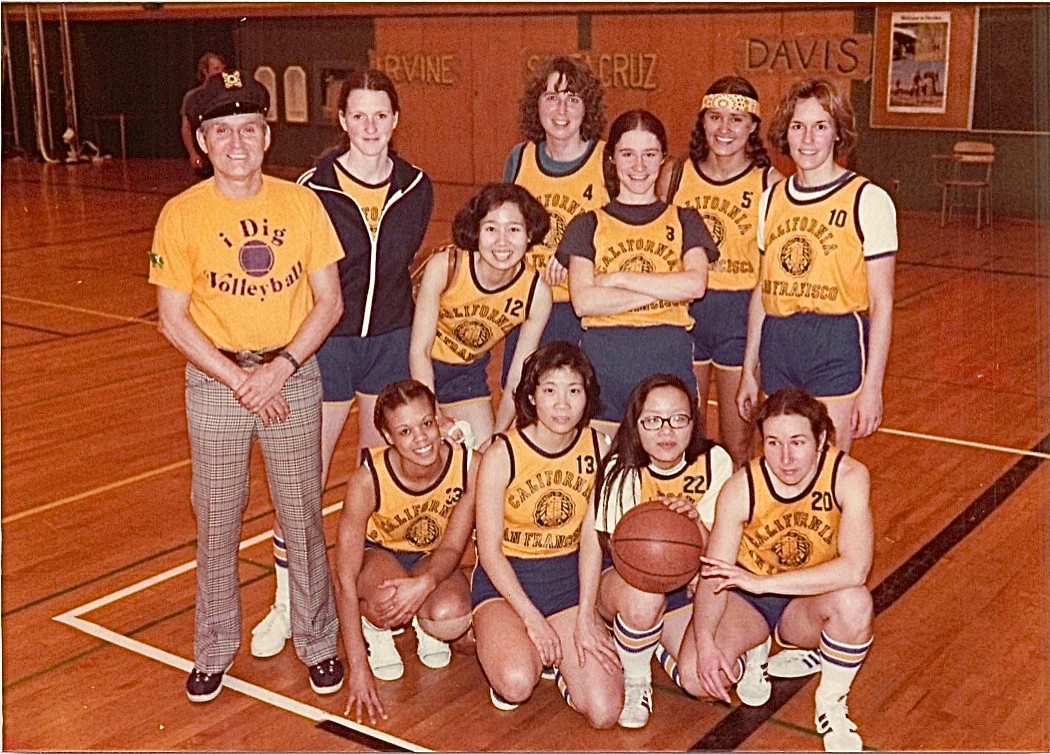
[(655, 423)]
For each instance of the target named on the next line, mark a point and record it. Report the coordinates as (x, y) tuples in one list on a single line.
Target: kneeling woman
[(469, 302), (659, 453), (536, 582), (798, 523), (408, 516)]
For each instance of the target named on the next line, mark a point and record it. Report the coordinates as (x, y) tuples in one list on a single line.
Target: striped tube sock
[(839, 663), (635, 648), (670, 664), (280, 562), (563, 687)]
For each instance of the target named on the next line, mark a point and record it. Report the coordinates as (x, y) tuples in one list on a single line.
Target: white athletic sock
[(635, 647), (563, 688), (280, 563), (839, 663), (670, 664)]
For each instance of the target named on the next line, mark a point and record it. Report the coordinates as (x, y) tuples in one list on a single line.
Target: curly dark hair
[(573, 76), (755, 149), (831, 99), (640, 120), (627, 456), (467, 223), (555, 355), (794, 401), (397, 394)]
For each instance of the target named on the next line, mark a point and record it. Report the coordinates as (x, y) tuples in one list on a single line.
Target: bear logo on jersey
[(553, 510), (423, 532), (472, 333), (792, 550), (255, 258), (715, 227), (556, 231), (796, 257), (637, 263)]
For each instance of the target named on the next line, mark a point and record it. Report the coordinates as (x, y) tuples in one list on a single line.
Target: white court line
[(95, 491), (950, 440), (965, 443), (266, 696), (314, 714), (80, 310)]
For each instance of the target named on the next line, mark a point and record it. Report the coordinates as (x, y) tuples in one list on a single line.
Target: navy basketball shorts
[(624, 356), (770, 606), (720, 332), (563, 324), (676, 600), (406, 560), (351, 365), (459, 383), (552, 583), (825, 354)]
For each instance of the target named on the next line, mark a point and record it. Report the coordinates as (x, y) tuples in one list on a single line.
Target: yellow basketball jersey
[(409, 520), (547, 496), (472, 320), (653, 247), (370, 199), (564, 197), (690, 481), (814, 253), (730, 212), (786, 534)]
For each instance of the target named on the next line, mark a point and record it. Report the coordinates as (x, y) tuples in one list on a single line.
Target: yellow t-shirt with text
[(244, 263)]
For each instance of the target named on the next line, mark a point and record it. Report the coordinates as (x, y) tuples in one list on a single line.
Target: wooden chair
[(969, 166)]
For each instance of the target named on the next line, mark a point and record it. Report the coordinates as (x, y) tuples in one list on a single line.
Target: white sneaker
[(500, 703), (832, 718), (794, 663), (754, 688), (269, 636), (383, 657), (432, 652), (637, 703)]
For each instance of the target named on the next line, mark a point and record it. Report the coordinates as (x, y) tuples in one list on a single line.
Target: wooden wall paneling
[(502, 51), (436, 104), (696, 50), (620, 46)]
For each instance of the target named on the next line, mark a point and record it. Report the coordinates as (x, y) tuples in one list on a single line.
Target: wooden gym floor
[(98, 535)]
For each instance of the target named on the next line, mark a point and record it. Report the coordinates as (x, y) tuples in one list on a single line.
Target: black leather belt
[(251, 358)]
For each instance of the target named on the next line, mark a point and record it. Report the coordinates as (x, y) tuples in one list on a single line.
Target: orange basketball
[(655, 549)]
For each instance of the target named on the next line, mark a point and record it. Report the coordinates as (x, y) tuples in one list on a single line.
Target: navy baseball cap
[(228, 93)]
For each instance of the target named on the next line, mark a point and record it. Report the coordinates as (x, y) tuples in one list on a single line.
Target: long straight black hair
[(627, 456)]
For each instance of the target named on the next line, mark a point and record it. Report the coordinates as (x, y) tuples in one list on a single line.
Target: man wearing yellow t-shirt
[(247, 290)]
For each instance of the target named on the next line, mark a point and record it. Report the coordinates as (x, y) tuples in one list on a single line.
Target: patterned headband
[(731, 102)]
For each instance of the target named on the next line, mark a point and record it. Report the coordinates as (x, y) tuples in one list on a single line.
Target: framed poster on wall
[(918, 75), (922, 76)]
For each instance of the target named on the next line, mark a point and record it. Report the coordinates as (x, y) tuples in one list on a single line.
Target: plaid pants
[(221, 435)]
